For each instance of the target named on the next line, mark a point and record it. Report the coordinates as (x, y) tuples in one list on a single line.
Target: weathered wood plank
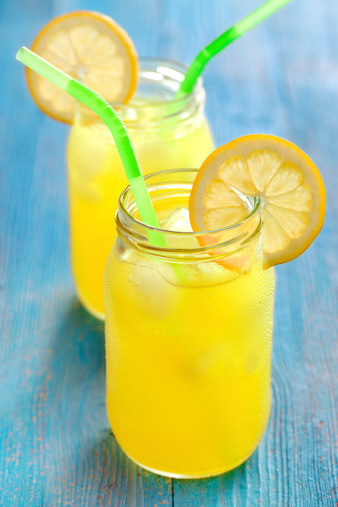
[(56, 447)]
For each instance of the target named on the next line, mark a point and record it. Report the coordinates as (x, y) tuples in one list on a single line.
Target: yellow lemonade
[(188, 346), (163, 137)]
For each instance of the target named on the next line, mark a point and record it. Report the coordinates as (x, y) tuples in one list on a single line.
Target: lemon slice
[(286, 180), (91, 48)]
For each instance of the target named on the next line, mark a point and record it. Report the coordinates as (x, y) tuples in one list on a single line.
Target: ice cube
[(149, 286), (177, 221), (229, 357)]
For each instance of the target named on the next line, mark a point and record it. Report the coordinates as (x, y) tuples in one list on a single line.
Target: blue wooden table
[(56, 448)]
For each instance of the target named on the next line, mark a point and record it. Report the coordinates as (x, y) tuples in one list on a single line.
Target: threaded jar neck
[(169, 191), (153, 107)]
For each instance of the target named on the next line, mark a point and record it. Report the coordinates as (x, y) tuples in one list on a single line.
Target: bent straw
[(113, 122), (233, 33)]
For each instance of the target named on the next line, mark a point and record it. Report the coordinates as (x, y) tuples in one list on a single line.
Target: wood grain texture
[(55, 445)]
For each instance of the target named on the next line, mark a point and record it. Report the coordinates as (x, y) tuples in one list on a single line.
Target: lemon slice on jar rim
[(286, 180)]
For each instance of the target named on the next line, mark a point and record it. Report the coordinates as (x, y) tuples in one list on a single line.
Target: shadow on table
[(78, 367), (79, 340)]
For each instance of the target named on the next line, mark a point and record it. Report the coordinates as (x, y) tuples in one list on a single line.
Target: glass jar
[(188, 336), (165, 132)]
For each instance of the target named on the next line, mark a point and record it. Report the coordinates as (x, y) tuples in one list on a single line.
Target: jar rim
[(256, 206), (171, 64), (176, 72)]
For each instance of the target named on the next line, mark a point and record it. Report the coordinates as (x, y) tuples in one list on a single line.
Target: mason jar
[(188, 329), (165, 132)]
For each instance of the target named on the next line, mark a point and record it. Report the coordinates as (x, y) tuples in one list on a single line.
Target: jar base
[(198, 475), (203, 475)]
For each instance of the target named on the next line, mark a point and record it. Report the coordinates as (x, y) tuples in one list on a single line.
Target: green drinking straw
[(113, 122), (197, 66)]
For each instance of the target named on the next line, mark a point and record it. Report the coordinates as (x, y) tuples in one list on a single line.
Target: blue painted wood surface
[(55, 445)]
